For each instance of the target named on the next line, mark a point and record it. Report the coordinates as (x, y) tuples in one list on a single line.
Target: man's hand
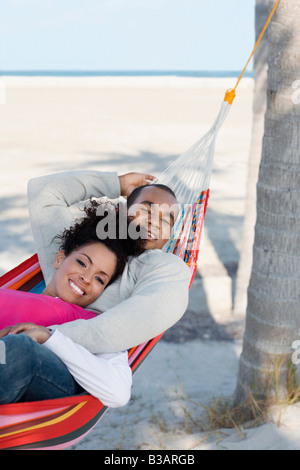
[(130, 181), (39, 334)]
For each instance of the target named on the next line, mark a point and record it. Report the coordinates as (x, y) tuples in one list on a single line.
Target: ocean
[(125, 73)]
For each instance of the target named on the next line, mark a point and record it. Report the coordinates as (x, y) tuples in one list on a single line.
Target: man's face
[(154, 211)]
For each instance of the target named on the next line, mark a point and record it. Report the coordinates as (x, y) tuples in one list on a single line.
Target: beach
[(124, 124), (52, 124)]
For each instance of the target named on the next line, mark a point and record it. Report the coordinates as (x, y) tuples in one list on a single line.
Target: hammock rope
[(258, 42), (60, 423)]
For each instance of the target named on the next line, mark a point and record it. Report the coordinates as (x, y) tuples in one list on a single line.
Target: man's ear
[(60, 256)]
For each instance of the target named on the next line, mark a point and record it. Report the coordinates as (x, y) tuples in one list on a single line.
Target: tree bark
[(260, 69), (273, 310)]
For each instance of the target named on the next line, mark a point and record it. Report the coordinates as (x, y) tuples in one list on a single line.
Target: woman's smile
[(76, 289), (83, 275)]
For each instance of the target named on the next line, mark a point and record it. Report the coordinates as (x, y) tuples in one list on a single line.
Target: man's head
[(153, 209)]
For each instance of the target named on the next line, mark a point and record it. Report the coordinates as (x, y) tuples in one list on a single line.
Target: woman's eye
[(81, 263), (99, 279)]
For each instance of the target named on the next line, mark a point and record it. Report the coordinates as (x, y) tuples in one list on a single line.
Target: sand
[(141, 124)]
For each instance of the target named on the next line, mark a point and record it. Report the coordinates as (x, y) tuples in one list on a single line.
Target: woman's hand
[(130, 181), (5, 331), (39, 334)]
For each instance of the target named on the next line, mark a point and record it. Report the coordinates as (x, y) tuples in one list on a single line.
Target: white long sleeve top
[(107, 377)]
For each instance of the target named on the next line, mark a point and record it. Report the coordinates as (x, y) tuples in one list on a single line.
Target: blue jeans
[(32, 372)]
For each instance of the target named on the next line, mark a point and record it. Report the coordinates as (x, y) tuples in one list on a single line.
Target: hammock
[(60, 423)]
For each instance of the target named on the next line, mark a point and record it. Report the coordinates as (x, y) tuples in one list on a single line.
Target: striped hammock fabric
[(60, 423)]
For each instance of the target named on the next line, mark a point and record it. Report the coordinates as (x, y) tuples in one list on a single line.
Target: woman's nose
[(86, 277)]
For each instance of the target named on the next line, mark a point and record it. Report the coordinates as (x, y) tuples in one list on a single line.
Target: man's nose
[(154, 220)]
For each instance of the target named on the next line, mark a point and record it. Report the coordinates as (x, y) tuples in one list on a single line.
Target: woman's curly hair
[(84, 232)]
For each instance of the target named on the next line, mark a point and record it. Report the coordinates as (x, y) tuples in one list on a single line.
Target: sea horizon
[(126, 73)]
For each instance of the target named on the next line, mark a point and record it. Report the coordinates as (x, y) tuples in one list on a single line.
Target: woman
[(84, 266)]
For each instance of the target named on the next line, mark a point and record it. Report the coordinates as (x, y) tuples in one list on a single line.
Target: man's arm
[(54, 204), (158, 301)]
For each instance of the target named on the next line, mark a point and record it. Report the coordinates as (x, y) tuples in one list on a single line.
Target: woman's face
[(81, 277)]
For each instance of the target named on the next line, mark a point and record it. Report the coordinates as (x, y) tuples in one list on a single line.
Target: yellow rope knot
[(229, 95)]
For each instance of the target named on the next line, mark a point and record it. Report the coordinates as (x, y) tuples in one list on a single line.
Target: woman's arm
[(107, 377)]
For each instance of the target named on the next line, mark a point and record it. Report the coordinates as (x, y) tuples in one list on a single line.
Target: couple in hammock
[(102, 296)]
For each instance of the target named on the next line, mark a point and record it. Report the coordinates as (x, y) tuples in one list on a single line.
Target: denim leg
[(32, 372)]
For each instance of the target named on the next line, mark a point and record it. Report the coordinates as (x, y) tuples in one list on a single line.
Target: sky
[(126, 34)]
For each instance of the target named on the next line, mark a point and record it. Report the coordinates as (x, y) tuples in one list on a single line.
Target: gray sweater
[(148, 298)]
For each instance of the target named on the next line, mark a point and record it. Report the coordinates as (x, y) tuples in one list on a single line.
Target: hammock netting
[(60, 423)]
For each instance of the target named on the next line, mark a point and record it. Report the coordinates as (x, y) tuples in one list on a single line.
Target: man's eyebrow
[(149, 203), (101, 272)]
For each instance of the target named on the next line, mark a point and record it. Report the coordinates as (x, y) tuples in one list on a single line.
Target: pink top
[(19, 307)]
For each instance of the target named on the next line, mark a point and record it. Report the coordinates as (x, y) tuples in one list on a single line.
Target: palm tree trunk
[(273, 310), (260, 69)]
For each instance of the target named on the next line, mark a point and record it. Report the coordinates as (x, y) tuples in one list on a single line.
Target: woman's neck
[(49, 291)]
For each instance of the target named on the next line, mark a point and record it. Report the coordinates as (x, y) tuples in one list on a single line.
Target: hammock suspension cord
[(230, 94)]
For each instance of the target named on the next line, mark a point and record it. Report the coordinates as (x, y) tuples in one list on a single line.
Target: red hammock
[(60, 423)]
